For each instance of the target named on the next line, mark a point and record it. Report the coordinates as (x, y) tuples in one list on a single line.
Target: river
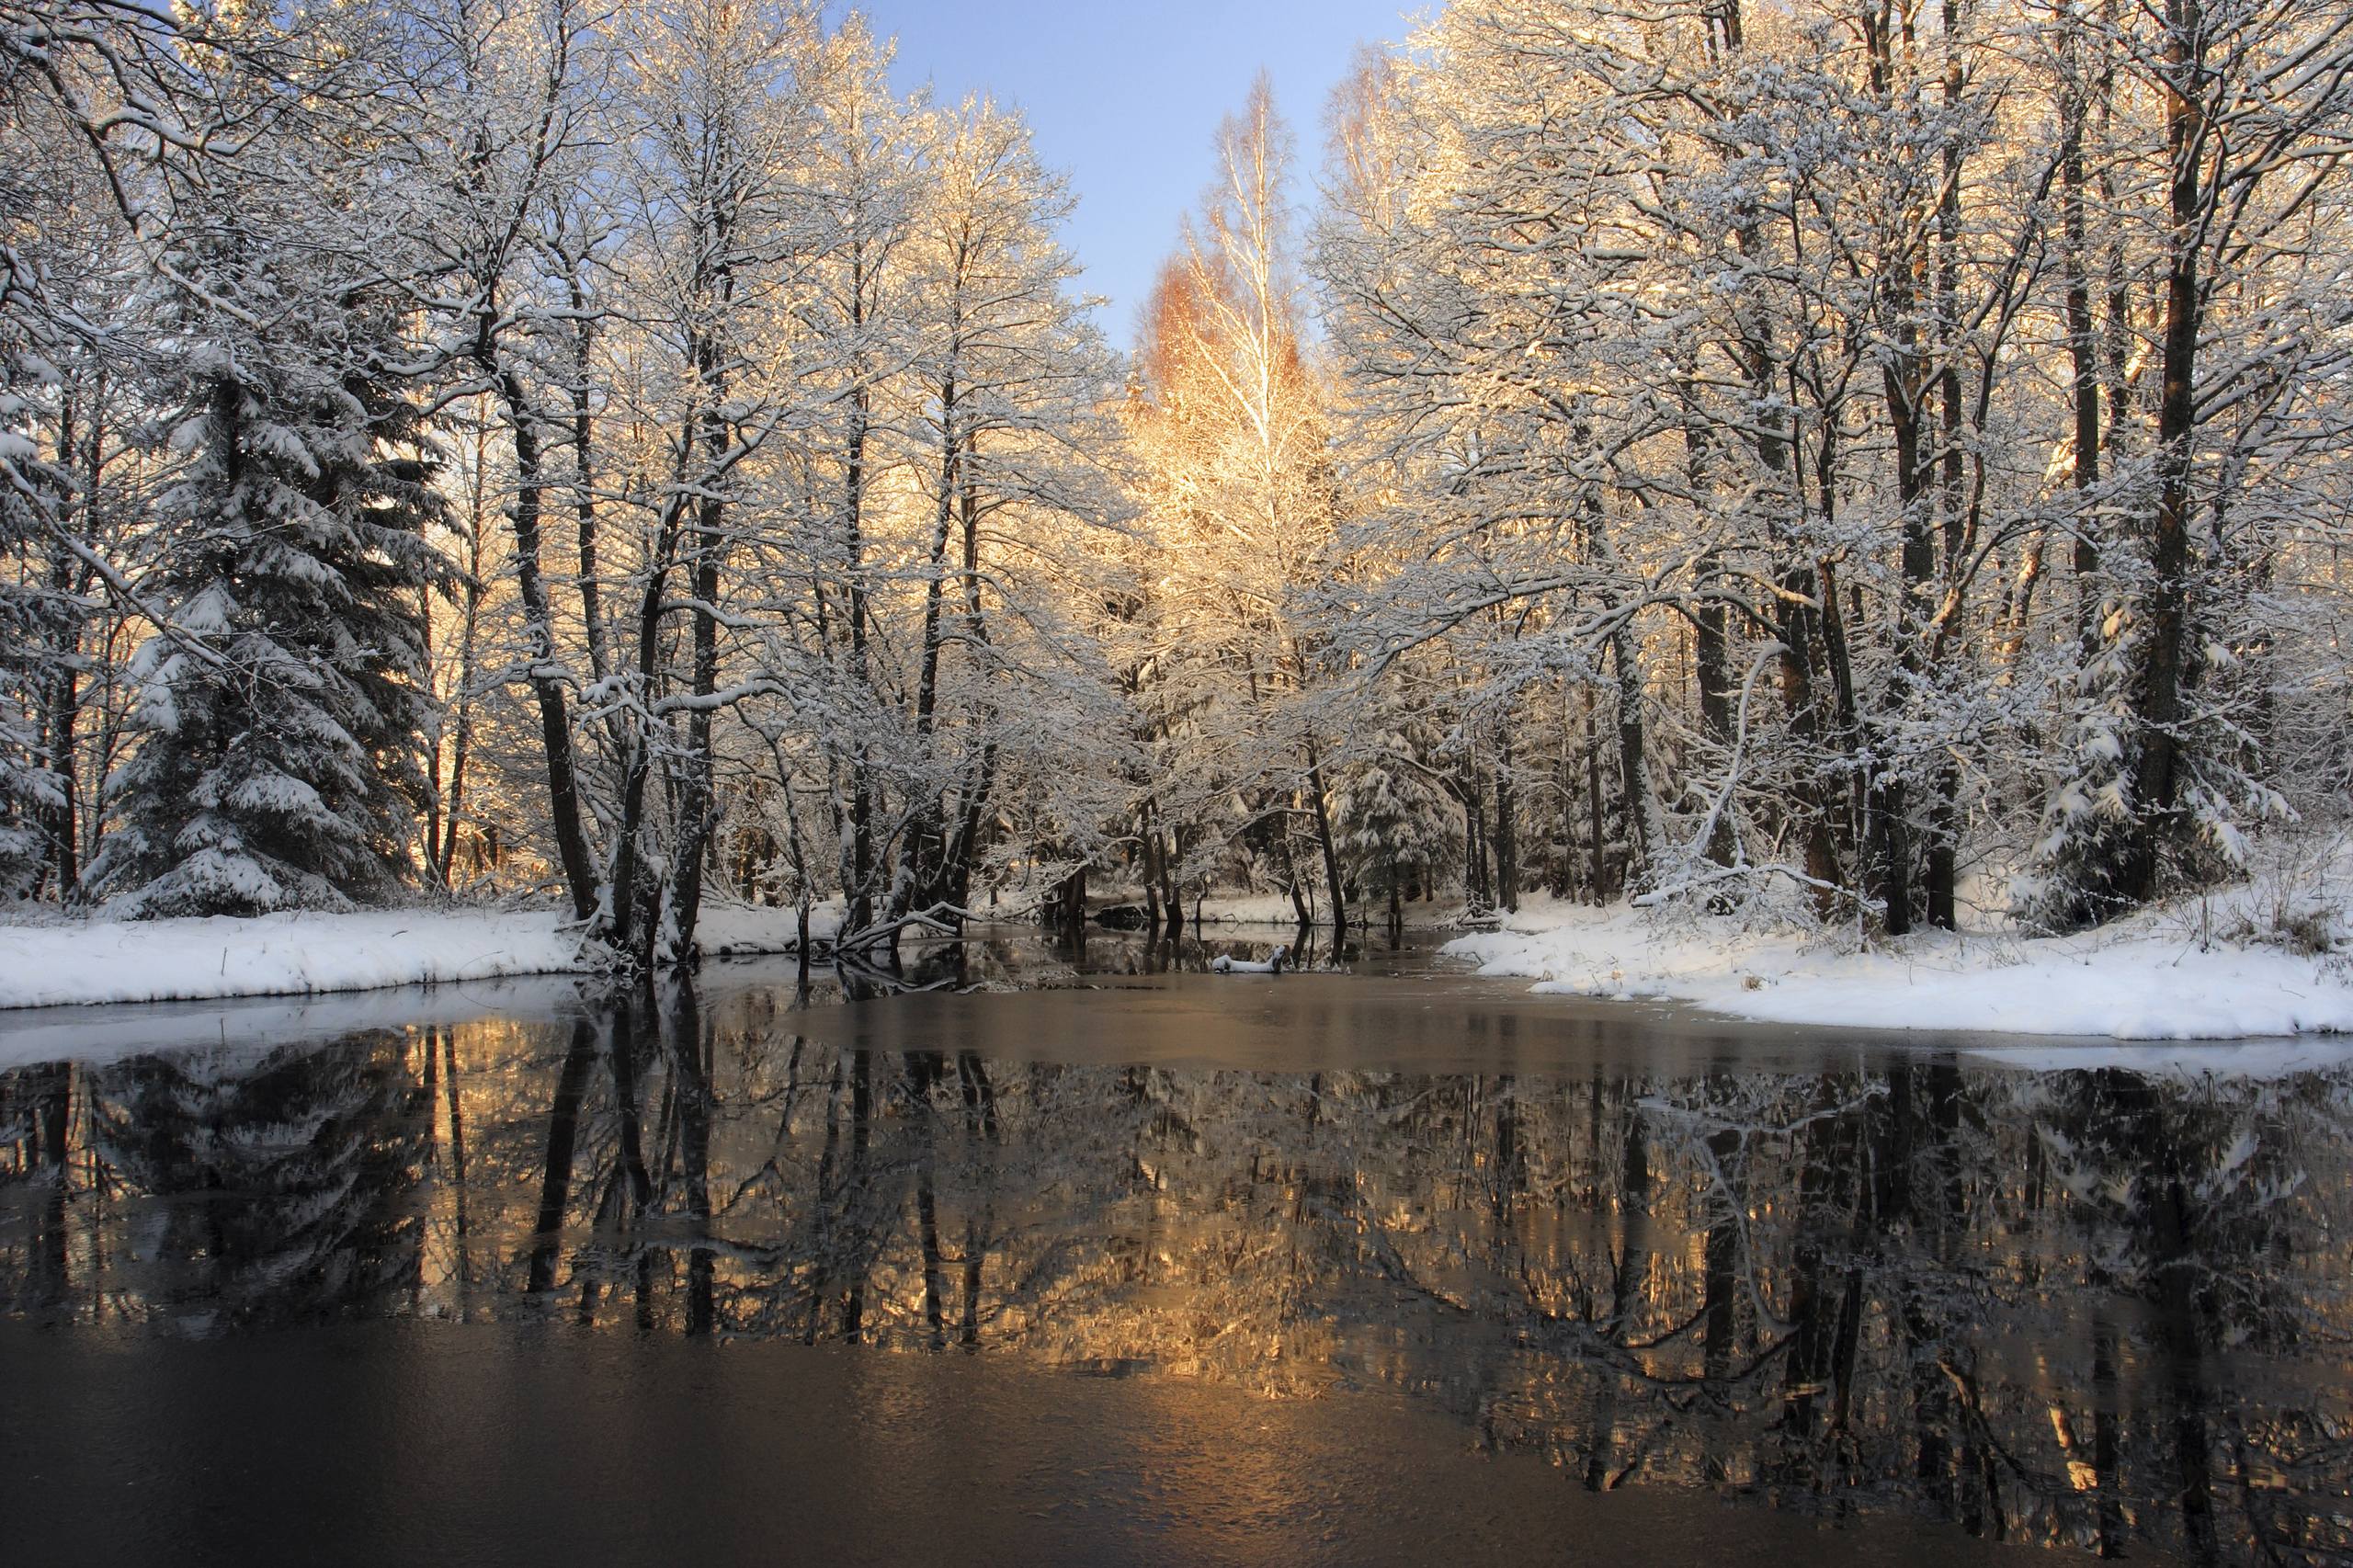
[(1098, 1258)]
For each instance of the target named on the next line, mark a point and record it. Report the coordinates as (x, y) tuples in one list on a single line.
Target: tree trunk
[(1887, 827), (698, 809), (1507, 831), (964, 848), (1323, 842), (1599, 844), (64, 703), (1293, 882), (1148, 867), (584, 472), (2081, 350), (538, 631), (468, 636), (1711, 653), (2157, 704), (927, 844), (1170, 850), (634, 907), (1477, 890), (1633, 761)]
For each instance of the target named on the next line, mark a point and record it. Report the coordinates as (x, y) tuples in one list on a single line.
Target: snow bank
[(731, 930), (274, 955), (68, 961), (1248, 909), (2148, 979)]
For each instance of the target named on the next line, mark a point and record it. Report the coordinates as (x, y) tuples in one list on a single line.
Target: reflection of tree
[(37, 1113), (2064, 1307), (206, 1186), (2188, 1203)]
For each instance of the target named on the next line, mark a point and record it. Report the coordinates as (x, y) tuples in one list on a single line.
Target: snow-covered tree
[(283, 703), (1242, 498), (280, 757)]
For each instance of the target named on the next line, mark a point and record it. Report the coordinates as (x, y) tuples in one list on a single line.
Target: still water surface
[(1153, 1265)]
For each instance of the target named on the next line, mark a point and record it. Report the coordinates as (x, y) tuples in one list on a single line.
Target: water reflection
[(2100, 1308)]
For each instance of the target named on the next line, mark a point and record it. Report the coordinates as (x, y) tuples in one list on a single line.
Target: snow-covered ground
[(1245, 909), (272, 955), (735, 930), (2165, 974), (64, 961)]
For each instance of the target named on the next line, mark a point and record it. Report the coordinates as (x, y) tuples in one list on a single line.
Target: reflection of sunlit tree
[(2072, 1308)]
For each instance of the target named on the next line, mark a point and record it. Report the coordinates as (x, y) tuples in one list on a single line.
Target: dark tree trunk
[(1330, 851), (699, 806), (1506, 832), (858, 872), (62, 819), (1171, 850), (962, 851), (539, 631), (451, 803), (1633, 758), (926, 845), (583, 475), (1886, 798), (698, 809), (2082, 350), (1476, 887), (2158, 676), (634, 906), (1598, 827)]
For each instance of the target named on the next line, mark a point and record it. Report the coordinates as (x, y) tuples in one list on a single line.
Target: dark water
[(1153, 1266)]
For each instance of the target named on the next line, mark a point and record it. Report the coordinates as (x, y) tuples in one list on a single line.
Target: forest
[(1865, 463)]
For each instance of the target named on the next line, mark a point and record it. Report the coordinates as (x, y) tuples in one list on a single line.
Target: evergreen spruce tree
[(284, 710), (28, 620), (1397, 822)]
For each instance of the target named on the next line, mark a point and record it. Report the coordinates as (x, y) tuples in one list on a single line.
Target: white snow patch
[(2145, 978), (733, 930), (275, 955), (64, 962)]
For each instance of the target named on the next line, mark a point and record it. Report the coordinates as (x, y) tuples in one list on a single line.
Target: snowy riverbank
[(80, 961), (2165, 974)]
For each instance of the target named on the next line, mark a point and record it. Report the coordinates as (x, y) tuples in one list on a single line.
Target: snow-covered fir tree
[(283, 703), (284, 710)]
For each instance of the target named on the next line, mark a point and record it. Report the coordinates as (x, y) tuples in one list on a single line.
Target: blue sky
[(1123, 95)]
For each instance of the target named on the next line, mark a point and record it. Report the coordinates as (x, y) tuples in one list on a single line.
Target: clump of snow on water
[(2171, 974)]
